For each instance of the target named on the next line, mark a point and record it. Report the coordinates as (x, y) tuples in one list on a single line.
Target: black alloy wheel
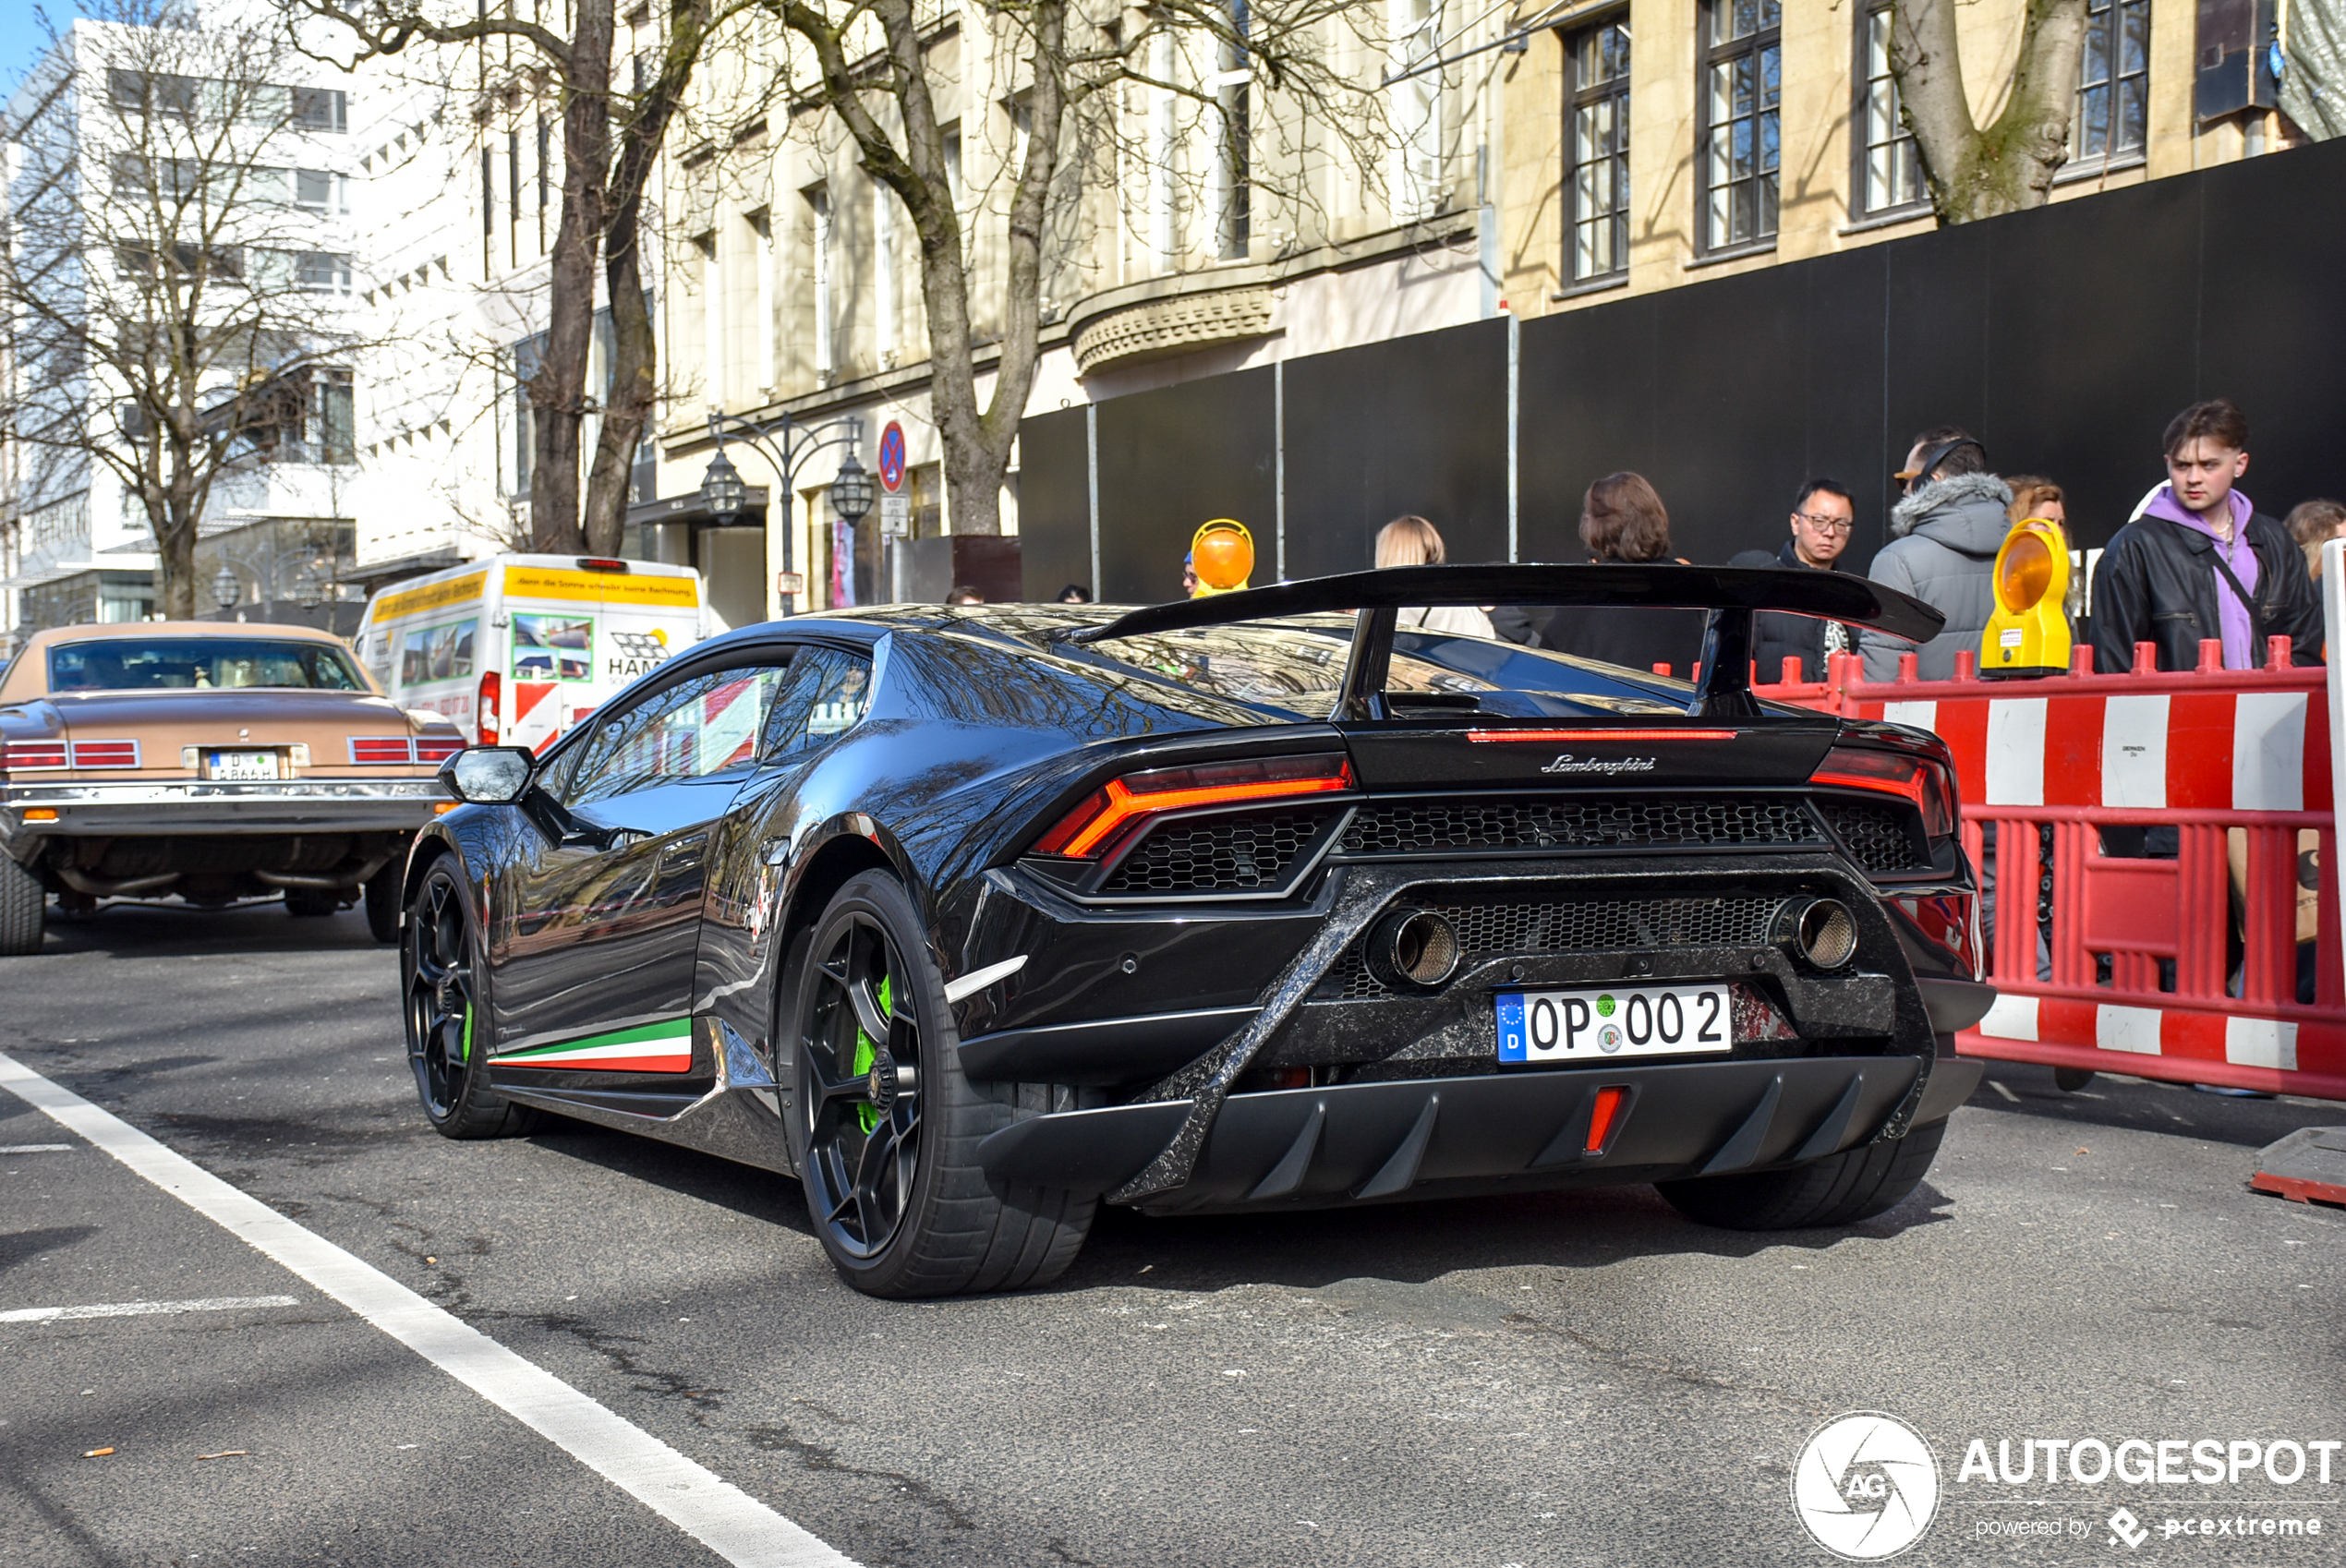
[(447, 1025), (885, 1128), (860, 1085)]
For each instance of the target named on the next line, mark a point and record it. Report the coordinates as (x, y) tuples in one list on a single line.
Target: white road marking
[(36, 1148), (144, 1309), (738, 1527)]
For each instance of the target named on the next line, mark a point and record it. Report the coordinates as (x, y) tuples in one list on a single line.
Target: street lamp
[(786, 445), (224, 587), (721, 490), (851, 490)]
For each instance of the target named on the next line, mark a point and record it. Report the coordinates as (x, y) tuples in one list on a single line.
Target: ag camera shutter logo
[(1865, 1486)]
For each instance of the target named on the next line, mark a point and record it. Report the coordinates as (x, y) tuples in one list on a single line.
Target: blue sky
[(21, 38)]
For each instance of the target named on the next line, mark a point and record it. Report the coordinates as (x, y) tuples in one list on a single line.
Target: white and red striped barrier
[(2239, 763)]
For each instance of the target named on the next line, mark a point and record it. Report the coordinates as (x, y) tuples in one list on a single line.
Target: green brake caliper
[(466, 1048), (866, 1053)]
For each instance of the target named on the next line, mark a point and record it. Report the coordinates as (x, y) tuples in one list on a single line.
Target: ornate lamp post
[(786, 445)]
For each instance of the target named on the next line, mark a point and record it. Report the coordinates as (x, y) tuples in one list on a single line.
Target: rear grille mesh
[(1881, 837), (1594, 925), (1251, 853), (1534, 822)]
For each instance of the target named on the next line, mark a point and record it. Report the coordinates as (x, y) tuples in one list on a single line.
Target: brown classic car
[(210, 762)]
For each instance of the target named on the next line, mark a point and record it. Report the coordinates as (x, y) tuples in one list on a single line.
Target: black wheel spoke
[(862, 1144)]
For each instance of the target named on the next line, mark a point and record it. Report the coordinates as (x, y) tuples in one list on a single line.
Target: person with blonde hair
[(2313, 524), (1413, 541)]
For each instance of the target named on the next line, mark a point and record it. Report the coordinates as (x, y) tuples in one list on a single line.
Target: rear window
[(133, 664), (1300, 668)]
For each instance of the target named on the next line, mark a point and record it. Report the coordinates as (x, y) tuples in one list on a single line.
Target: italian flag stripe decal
[(651, 1047)]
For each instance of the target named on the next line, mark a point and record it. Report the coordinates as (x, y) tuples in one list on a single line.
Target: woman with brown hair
[(1623, 522), (1413, 541), (2313, 524)]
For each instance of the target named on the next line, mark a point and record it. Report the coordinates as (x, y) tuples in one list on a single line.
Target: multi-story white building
[(116, 135)]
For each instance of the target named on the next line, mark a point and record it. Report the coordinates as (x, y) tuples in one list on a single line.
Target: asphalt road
[(1559, 1379)]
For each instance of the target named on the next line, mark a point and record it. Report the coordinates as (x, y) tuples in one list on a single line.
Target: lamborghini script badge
[(1567, 763)]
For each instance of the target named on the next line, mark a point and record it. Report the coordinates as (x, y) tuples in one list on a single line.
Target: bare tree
[(613, 130), (1977, 170), (873, 68), (174, 316)]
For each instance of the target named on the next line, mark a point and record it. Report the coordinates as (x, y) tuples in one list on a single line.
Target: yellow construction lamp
[(1221, 554), (2028, 634)]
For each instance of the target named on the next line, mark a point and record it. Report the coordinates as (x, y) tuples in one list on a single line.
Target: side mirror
[(488, 775)]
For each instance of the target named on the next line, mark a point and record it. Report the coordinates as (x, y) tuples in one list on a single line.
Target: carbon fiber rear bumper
[(1311, 1148)]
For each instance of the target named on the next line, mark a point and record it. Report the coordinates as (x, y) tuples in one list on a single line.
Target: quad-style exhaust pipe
[(1413, 950), (1820, 929)]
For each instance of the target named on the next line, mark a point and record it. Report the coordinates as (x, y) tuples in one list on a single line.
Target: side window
[(695, 727), (827, 692)]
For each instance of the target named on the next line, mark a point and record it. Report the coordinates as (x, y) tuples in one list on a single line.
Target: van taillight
[(600, 563), (485, 710)]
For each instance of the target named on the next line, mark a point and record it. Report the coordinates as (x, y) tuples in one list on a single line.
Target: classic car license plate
[(1646, 1020), (243, 767)]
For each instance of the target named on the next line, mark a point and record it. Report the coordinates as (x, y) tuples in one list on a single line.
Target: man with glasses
[(1943, 539), (1822, 516)]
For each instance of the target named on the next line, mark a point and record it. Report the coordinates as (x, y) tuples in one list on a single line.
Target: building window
[(327, 195), (1888, 166), (818, 206), (529, 355), (2113, 84), (1232, 173), (1597, 95), (318, 272), (1416, 107), (322, 109), (1742, 83)]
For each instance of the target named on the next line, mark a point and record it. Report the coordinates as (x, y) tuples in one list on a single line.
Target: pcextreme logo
[(1865, 1486)]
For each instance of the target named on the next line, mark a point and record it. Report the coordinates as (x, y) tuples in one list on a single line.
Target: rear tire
[(884, 1129), (382, 902), (24, 911), (1836, 1190), (448, 1029)]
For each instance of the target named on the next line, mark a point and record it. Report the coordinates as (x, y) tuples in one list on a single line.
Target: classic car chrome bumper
[(148, 808)]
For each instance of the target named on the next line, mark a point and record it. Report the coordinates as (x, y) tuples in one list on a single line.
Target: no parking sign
[(896, 510)]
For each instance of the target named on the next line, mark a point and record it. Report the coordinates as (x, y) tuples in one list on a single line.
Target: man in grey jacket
[(1943, 539)]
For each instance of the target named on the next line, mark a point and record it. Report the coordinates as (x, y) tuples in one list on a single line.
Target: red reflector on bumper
[(1601, 1116)]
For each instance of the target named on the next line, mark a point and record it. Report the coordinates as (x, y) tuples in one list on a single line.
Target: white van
[(517, 648)]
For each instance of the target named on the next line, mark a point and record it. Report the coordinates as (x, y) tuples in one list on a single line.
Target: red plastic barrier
[(2238, 762)]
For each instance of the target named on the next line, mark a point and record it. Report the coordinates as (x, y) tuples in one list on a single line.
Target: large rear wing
[(1729, 593)]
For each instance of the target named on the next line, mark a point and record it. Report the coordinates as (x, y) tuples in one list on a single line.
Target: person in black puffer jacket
[(1822, 516)]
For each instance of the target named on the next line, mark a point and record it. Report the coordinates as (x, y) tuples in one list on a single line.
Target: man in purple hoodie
[(2199, 560)]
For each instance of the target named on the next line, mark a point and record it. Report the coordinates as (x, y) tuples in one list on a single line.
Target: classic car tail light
[(382, 751), (106, 753), (1087, 832), (437, 748), (32, 753), (1917, 779), (492, 688)]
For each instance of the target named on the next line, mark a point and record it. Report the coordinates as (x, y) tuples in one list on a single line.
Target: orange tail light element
[(1086, 832), (1601, 1117)]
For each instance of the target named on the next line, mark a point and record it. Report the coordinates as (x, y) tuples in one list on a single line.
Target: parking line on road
[(730, 1521), (36, 1148), (143, 1308)]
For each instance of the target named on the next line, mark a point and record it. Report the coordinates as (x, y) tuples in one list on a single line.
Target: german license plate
[(1647, 1021), (243, 767)]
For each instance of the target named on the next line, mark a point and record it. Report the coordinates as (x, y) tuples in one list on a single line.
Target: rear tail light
[(106, 753), (1919, 781), (600, 563), (492, 693), (437, 748), (32, 753), (1092, 827), (380, 750)]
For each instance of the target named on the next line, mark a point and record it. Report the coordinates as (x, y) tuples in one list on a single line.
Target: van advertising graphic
[(554, 647), (437, 653), (633, 653)]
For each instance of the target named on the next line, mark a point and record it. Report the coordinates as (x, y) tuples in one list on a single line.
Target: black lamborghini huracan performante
[(974, 919)]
